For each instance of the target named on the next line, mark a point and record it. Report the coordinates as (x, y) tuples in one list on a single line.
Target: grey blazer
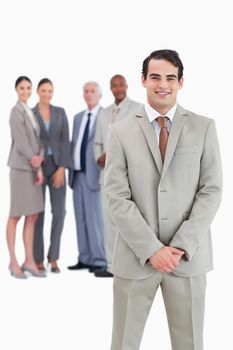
[(25, 139), (172, 204), (57, 137), (92, 169)]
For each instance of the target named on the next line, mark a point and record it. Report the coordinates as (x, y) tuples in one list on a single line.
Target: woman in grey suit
[(55, 136), (26, 177)]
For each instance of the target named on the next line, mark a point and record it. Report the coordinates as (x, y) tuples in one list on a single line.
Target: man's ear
[(181, 82), (143, 80)]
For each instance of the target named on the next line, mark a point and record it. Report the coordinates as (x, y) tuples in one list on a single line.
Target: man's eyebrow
[(154, 75), (158, 75)]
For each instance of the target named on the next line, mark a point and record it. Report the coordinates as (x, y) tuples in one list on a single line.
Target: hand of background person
[(101, 160), (166, 259), (39, 178), (36, 161), (59, 177)]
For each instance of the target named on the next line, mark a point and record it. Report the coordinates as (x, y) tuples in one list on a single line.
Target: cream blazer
[(152, 204), (25, 139)]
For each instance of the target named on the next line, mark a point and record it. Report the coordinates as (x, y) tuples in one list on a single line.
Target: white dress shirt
[(153, 114), (77, 150), (29, 114)]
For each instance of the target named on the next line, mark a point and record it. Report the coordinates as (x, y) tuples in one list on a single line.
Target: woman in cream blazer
[(26, 177)]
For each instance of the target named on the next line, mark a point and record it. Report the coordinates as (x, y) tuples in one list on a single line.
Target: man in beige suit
[(122, 107), (162, 198)]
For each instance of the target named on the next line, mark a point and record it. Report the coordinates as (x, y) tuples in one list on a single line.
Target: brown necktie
[(163, 136)]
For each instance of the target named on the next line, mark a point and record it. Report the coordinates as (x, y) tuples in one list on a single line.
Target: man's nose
[(163, 83)]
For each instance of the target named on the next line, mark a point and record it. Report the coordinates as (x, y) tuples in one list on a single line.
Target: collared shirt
[(29, 114), (153, 114), (47, 126), (116, 109), (77, 149)]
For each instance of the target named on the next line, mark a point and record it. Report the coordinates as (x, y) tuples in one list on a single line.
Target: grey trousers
[(184, 299), (89, 223), (58, 210)]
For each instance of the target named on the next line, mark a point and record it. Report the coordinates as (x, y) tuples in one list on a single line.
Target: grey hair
[(94, 83)]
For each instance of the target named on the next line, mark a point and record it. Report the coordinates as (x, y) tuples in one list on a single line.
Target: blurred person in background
[(55, 137), (84, 180), (121, 108), (26, 177)]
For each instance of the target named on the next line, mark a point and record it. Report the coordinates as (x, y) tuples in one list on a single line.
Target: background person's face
[(91, 95), (45, 93), (24, 90), (119, 88)]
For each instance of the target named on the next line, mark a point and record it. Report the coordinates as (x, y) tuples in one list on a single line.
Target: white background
[(72, 42)]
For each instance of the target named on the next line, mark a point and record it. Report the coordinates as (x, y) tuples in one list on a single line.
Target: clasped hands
[(36, 161), (166, 259)]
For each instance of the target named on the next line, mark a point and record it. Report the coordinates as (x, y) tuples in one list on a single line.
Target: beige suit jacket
[(153, 204), (25, 139), (105, 118)]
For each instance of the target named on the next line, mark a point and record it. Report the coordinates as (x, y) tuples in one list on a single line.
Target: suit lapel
[(124, 108), (150, 137), (77, 126), (177, 125), (36, 130), (92, 133), (40, 121), (53, 120)]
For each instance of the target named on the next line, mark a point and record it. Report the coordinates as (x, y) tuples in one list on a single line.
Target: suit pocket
[(186, 150)]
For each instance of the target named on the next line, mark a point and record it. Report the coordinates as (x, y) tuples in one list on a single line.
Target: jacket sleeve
[(207, 198), (99, 142), (125, 214), (19, 134), (65, 149)]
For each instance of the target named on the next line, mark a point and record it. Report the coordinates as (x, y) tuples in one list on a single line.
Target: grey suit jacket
[(92, 169), (57, 137), (172, 204), (105, 118), (25, 139)]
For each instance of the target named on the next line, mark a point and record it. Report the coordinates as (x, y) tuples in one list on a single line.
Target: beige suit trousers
[(184, 299)]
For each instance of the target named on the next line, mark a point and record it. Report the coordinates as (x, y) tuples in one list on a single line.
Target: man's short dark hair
[(168, 55)]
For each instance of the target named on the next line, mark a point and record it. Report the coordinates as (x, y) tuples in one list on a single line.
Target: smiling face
[(162, 85), (24, 90), (45, 93)]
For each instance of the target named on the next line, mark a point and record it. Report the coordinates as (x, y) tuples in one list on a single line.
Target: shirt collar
[(94, 111), (153, 114), (122, 103)]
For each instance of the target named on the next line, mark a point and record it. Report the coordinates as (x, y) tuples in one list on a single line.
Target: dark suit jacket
[(92, 169), (57, 137)]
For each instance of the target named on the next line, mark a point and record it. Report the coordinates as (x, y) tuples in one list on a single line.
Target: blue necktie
[(84, 144)]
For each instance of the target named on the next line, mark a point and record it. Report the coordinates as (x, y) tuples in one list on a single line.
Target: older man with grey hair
[(84, 180)]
